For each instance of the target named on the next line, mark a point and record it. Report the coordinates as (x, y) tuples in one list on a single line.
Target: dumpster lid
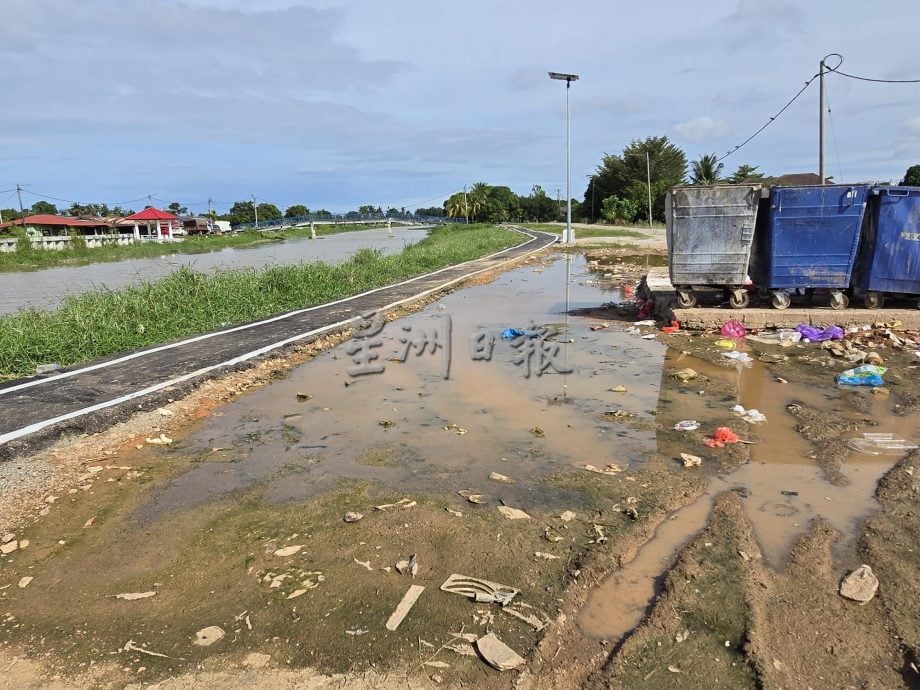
[(894, 190)]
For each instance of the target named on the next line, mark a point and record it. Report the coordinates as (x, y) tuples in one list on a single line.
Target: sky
[(338, 103)]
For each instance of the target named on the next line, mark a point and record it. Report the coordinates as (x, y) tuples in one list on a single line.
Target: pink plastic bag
[(733, 329)]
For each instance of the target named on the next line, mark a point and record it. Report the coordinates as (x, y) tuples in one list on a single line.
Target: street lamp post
[(568, 79)]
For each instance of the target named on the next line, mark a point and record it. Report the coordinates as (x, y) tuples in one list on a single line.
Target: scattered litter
[(682, 636), (744, 556), (567, 516), (538, 432), (783, 338), (436, 664), (733, 329), (352, 516), (726, 344), (611, 468), (161, 440), (89, 523), (133, 596), (9, 547), (455, 513), (298, 593), (408, 567), (880, 444), (24, 582), (866, 375), (618, 414), (648, 336), (546, 556), (462, 643), (408, 601), (455, 427), (881, 393), (631, 513), (860, 585), (513, 513), (47, 368), (387, 423), (470, 495), (163, 412), (131, 647), (600, 537), (771, 358), (740, 357), (687, 425), (479, 590), (672, 328), (529, 618), (599, 326), (303, 397), (497, 654), (358, 632), (7, 538), (644, 322), (496, 477), (721, 437), (366, 564), (512, 333), (552, 535), (288, 550), (684, 374), (674, 669), (401, 503), (618, 389), (816, 336), (208, 636), (691, 460), (751, 416)]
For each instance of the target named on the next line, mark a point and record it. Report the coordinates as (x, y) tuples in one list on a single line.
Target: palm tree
[(479, 195), (745, 173), (706, 170), (456, 206)]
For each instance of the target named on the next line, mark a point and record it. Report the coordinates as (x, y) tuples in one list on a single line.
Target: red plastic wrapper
[(721, 437), (673, 328)]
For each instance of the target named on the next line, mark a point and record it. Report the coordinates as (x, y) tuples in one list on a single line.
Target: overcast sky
[(337, 103)]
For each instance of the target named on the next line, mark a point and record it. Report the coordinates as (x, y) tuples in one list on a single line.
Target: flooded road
[(281, 465), (44, 289)]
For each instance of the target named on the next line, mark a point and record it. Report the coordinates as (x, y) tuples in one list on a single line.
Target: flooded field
[(549, 464)]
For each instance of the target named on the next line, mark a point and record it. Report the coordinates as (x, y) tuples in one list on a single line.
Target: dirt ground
[(662, 576)]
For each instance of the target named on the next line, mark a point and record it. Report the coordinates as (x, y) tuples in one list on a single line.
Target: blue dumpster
[(889, 260), (709, 233), (807, 237)]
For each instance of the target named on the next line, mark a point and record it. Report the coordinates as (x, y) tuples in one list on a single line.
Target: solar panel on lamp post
[(569, 237)]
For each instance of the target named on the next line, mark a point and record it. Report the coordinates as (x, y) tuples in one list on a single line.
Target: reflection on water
[(292, 449), (45, 288)]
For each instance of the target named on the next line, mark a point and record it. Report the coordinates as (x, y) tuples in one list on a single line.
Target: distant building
[(795, 180), (48, 225)]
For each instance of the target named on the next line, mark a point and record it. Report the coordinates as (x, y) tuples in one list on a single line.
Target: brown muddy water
[(409, 431)]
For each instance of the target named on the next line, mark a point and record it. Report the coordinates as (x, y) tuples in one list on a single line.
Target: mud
[(275, 457)]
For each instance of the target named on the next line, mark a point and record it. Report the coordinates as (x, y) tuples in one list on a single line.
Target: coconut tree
[(706, 170)]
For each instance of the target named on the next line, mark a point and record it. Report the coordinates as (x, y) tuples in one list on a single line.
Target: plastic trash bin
[(709, 234), (889, 260), (808, 237)]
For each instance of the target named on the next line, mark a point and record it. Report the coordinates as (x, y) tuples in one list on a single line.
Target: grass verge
[(186, 302), (597, 231)]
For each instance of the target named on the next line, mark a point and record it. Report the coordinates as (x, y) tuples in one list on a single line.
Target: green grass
[(597, 231), (80, 255), (186, 302)]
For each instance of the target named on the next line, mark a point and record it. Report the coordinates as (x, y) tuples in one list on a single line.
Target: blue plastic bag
[(866, 375)]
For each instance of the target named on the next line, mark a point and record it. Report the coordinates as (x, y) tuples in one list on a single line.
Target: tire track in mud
[(92, 397)]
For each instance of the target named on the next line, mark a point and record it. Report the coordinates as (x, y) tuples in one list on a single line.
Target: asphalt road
[(92, 397)]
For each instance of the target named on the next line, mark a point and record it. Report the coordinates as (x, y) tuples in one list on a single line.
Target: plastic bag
[(817, 336), (733, 329), (722, 437), (865, 375)]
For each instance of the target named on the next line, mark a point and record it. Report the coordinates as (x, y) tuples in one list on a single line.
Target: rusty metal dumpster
[(889, 259), (807, 238), (709, 233)]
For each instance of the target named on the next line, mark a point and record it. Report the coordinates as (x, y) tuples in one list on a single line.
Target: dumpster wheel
[(686, 299), (780, 299), (739, 299), (839, 300), (874, 300)]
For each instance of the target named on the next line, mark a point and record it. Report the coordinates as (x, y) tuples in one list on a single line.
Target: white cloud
[(699, 128), (912, 127)]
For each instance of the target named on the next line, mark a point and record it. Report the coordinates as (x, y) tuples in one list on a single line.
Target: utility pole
[(821, 121), (648, 168), (210, 217), (22, 213), (150, 199), (466, 206), (255, 210)]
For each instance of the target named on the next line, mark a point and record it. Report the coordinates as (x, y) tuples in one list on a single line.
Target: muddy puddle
[(280, 466)]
